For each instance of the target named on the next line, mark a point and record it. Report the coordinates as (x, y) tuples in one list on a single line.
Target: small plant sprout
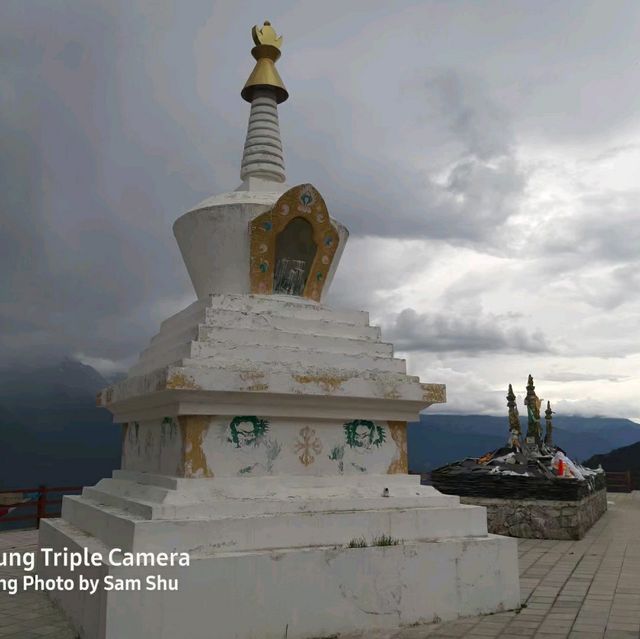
[(358, 542), (385, 540)]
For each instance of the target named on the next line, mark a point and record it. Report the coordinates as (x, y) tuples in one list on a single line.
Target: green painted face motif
[(247, 430), (362, 433)]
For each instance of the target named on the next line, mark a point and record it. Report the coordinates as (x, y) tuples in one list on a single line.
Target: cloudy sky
[(485, 156)]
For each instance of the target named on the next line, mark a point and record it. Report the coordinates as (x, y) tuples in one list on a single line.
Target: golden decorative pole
[(548, 438), (532, 402), (262, 157), (514, 419)]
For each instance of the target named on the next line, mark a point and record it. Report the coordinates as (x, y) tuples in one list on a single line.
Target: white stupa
[(263, 433)]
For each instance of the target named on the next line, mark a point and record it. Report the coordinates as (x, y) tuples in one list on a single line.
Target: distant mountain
[(622, 459), (51, 431), (114, 378), (441, 439), (618, 460)]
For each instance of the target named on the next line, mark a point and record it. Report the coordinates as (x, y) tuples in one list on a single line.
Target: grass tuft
[(385, 540), (358, 542)]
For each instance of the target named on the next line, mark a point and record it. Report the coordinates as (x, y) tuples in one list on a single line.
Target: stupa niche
[(263, 431)]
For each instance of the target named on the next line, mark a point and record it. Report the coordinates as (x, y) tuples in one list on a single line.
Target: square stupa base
[(280, 566), (298, 593)]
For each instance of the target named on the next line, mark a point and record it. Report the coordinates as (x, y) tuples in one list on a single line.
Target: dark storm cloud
[(460, 101), (605, 228), (473, 182), (592, 255), (86, 249), (609, 290), (115, 117), (578, 376), (106, 141), (446, 332)]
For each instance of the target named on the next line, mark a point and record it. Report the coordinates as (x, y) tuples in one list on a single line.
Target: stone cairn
[(526, 467)]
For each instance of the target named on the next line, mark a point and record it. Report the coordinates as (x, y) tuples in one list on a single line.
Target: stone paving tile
[(587, 589)]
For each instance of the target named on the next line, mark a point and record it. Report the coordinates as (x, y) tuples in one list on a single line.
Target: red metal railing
[(39, 505)]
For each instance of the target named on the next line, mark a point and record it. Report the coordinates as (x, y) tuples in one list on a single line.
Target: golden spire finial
[(264, 74), (266, 35)]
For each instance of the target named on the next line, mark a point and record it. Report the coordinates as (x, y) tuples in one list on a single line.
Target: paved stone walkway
[(28, 615), (588, 589)]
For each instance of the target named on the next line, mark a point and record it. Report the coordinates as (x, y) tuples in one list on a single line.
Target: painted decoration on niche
[(292, 245), (308, 445), (362, 434), (249, 433)]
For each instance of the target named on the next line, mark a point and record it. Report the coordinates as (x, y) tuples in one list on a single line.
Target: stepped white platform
[(270, 556), (267, 508), (266, 349)]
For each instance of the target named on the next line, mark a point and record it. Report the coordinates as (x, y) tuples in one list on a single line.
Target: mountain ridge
[(439, 439), (626, 458)]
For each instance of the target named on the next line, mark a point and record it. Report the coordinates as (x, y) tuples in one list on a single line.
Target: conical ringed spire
[(262, 157)]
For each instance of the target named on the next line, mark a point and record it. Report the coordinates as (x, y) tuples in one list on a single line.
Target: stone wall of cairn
[(541, 519)]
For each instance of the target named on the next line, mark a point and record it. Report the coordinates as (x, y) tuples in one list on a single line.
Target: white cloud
[(104, 365), (451, 333)]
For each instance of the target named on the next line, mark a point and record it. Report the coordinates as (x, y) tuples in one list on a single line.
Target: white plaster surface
[(214, 241), (298, 593), (209, 515), (279, 543), (278, 353), (233, 447), (262, 156)]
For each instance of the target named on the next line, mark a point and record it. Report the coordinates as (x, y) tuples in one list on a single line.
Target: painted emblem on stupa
[(249, 437), (363, 434), (247, 430), (308, 445)]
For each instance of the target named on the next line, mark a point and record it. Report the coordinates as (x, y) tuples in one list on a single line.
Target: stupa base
[(298, 593), (444, 565)]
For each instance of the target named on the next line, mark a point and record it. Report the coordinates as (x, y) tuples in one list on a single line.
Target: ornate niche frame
[(302, 201)]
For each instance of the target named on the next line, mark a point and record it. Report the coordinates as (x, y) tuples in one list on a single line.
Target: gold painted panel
[(400, 463), (194, 460), (434, 393), (304, 202)]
